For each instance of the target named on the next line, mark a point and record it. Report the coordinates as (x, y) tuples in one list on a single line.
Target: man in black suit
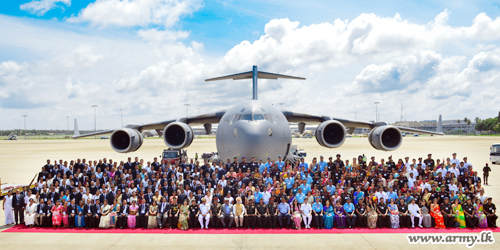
[(40, 213), (72, 211), (110, 196), (142, 219), (18, 205), (96, 213), (162, 215), (123, 215), (47, 222), (149, 196), (87, 211)]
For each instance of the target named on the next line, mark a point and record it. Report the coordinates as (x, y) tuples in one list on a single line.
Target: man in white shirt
[(454, 170), (381, 194), (466, 164), (455, 160), (411, 181), (407, 163), (414, 210), (305, 210), (453, 186), (204, 212)]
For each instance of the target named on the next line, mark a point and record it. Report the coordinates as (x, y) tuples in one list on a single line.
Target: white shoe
[(412, 226), (201, 227), (420, 226)]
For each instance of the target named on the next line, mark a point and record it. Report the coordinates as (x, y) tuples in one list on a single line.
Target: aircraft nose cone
[(253, 139)]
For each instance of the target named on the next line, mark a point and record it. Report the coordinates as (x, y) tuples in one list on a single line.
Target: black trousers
[(404, 221), (173, 221), (250, 220), (214, 221), (262, 220), (71, 221), (193, 221), (287, 219), (19, 213), (351, 221), (384, 221), (272, 221), (88, 221), (121, 221), (318, 220), (142, 221), (47, 222), (471, 221), (95, 220), (449, 221), (227, 220), (362, 220), (492, 220)]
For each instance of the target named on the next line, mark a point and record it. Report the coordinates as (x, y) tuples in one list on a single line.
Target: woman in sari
[(297, 219), (30, 211), (328, 215), (394, 214), (426, 217), (478, 211), (437, 215), (56, 214), (105, 210), (183, 216), (340, 216), (64, 212), (131, 219), (80, 217), (153, 209), (115, 208), (459, 214), (371, 212)]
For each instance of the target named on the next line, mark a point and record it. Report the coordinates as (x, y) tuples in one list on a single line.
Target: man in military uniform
[(447, 211), (429, 162), (489, 211), (262, 215), (272, 210), (250, 214), (404, 216), (470, 218), (215, 210)]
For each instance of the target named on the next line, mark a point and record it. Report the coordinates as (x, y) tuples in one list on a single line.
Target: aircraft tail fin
[(254, 75), (76, 131), (439, 128)]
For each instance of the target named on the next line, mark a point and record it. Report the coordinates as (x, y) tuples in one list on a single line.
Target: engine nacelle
[(330, 134), (126, 140), (385, 138), (178, 135)]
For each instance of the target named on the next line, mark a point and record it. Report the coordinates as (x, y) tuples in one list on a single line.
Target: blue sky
[(149, 57), (222, 24)]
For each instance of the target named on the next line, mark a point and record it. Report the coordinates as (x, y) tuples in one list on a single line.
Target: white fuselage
[(253, 128)]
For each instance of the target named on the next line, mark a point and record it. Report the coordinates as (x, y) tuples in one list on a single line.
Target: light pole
[(281, 104), (121, 116), (95, 124), (355, 115), (187, 109), (376, 110), (67, 122), (198, 109), (25, 126)]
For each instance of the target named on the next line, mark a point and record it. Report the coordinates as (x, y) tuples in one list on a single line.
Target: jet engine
[(385, 138), (178, 135), (126, 140), (330, 134)]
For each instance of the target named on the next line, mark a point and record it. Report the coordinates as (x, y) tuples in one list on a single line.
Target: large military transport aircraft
[(254, 128)]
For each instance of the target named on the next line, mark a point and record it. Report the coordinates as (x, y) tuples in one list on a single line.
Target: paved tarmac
[(21, 160)]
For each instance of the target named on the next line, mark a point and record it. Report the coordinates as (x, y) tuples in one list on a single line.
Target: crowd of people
[(256, 194)]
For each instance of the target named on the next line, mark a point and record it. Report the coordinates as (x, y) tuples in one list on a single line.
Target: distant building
[(449, 126)]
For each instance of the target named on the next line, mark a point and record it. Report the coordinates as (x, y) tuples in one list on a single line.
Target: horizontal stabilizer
[(249, 75)]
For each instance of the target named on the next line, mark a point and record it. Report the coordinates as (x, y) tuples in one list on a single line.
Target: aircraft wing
[(350, 124), (210, 118)]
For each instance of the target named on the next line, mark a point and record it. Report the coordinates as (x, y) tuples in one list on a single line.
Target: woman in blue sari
[(358, 195), (80, 217), (328, 215), (340, 216), (113, 215)]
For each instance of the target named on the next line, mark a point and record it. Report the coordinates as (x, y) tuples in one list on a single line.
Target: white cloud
[(132, 13), (40, 7), (348, 65)]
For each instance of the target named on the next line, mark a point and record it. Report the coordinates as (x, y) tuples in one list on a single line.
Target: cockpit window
[(270, 118), (257, 117), (242, 110), (246, 117)]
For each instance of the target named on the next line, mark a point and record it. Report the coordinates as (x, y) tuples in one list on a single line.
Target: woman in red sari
[(64, 212), (437, 215), (56, 214)]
